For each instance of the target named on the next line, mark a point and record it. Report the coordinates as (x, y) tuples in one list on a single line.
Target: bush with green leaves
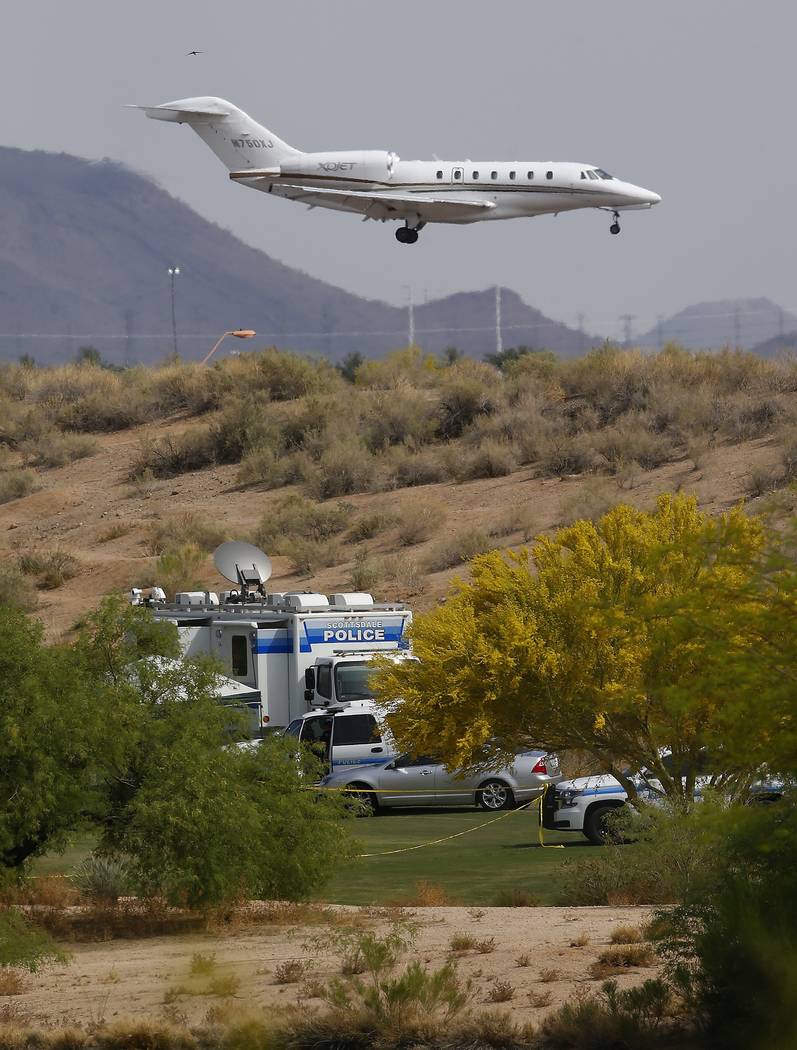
[(23, 944), (731, 943), (144, 758), (295, 517)]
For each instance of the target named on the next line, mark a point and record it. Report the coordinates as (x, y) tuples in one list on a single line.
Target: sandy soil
[(142, 978), (78, 504)]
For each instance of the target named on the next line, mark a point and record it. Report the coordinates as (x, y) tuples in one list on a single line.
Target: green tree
[(89, 356), (117, 733), (595, 642), (349, 365)]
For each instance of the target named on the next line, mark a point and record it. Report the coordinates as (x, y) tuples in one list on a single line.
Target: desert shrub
[(500, 991), (370, 525), (202, 965), (762, 480), (401, 468), (308, 556), (567, 455), (403, 573), (632, 441), (750, 417), (291, 971), (462, 942), (178, 569), (182, 528), (516, 897), (55, 448), (788, 454), (492, 459), (11, 982), (114, 532), (459, 548), (14, 484), (461, 402), (344, 468), (523, 960), (581, 941), (539, 999), (613, 1018), (398, 418), (418, 522), (283, 376), (294, 518), (549, 975), (101, 879), (519, 518), (16, 589), (590, 501), (97, 412), (626, 935), (622, 957), (175, 454), (52, 568), (365, 572), (183, 387)]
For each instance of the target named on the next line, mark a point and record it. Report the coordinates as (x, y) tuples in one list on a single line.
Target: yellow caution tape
[(446, 838)]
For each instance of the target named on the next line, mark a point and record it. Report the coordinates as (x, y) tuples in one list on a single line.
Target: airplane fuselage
[(377, 184)]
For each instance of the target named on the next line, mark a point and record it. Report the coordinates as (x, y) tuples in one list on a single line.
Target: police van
[(295, 653), (354, 735)]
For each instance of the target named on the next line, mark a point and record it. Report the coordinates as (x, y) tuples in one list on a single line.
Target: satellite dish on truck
[(244, 564)]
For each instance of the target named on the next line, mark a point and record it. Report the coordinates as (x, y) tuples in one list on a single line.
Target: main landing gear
[(409, 234), (615, 226)]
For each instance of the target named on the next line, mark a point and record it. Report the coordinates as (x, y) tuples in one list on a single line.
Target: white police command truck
[(304, 658)]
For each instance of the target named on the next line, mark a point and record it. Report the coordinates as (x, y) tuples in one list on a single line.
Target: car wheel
[(595, 826), (494, 795), (368, 805)]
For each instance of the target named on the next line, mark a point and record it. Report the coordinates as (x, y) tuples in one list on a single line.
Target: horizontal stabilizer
[(194, 115)]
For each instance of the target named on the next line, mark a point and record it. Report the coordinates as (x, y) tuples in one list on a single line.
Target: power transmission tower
[(627, 320), (499, 343)]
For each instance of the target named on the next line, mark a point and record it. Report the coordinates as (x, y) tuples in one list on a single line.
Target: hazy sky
[(691, 98)]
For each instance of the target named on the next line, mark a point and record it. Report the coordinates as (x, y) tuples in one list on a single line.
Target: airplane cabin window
[(548, 174), (475, 175), (439, 174), (511, 174), (493, 174), (583, 174), (530, 175), (457, 173)]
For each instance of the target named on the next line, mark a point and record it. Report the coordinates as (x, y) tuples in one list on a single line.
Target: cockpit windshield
[(603, 174)]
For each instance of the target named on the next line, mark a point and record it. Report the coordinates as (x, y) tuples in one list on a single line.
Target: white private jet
[(378, 185)]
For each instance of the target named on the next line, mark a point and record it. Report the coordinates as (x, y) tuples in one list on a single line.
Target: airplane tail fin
[(238, 141)]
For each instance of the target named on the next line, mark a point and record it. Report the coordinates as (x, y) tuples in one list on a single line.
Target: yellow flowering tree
[(593, 641)]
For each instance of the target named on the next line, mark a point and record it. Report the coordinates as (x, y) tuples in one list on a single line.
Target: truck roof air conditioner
[(357, 601)]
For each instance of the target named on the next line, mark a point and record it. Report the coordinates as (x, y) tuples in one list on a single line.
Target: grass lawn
[(471, 869), (468, 870)]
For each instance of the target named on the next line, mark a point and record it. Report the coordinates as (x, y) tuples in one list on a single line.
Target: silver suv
[(410, 780)]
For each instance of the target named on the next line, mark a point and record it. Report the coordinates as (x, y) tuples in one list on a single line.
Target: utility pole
[(627, 319), (174, 271), (580, 319), (128, 337), (737, 327), (410, 316), (499, 343)]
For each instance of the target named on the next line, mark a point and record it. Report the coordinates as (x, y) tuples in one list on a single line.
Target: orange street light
[(239, 333)]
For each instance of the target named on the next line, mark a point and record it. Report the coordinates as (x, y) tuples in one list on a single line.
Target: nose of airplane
[(653, 198)]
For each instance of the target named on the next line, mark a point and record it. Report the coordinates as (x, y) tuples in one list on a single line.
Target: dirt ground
[(79, 505), (150, 979)]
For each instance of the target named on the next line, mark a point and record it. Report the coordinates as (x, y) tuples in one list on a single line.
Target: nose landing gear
[(615, 226)]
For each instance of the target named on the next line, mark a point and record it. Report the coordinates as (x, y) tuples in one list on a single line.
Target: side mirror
[(309, 696), (391, 765), (309, 679)]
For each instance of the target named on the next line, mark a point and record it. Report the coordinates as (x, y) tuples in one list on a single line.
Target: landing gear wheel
[(494, 795), (405, 235), (615, 226)]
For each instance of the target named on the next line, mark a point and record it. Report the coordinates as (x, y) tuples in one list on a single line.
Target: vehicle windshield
[(352, 681), (603, 174)]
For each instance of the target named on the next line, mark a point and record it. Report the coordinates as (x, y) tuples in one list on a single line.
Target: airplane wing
[(375, 204)]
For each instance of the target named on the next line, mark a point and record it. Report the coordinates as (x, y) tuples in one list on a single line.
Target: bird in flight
[(194, 53)]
